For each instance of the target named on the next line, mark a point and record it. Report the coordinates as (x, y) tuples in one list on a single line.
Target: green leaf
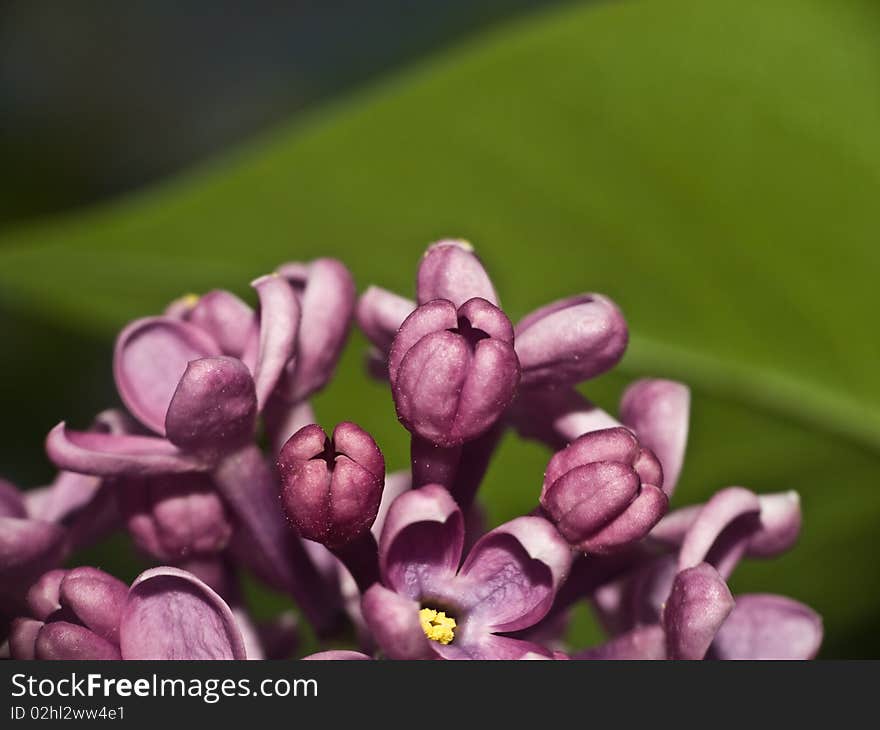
[(714, 167)]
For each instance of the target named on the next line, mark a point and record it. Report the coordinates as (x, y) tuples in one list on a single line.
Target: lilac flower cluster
[(217, 469)]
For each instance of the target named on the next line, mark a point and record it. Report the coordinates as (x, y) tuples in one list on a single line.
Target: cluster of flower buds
[(217, 469)]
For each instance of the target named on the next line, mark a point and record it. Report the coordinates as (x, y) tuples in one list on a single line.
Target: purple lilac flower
[(732, 524), (85, 613), (331, 491), (200, 407), (604, 490), (429, 605)]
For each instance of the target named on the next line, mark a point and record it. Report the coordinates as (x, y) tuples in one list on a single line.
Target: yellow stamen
[(437, 625), (190, 300)]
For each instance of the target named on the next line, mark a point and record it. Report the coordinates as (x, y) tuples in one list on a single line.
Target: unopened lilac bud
[(570, 340), (453, 371), (451, 270), (380, 313), (604, 490), (326, 298), (176, 517), (331, 487)]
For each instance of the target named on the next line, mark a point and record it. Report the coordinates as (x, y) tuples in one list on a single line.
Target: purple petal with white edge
[(380, 313), (150, 357), (721, 530), (642, 643), (28, 548), (337, 655), (659, 412), (609, 445), (327, 301), (516, 569), (571, 340), (214, 408), (557, 416), (23, 634), (780, 524), (60, 640), (171, 614), (226, 318), (436, 316), (633, 524), (451, 270), (764, 626), (96, 598), (104, 454), (279, 326), (393, 621), (11, 501), (698, 605), (421, 541), (44, 596)]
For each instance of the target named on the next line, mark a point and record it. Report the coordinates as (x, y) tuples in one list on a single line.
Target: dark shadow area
[(99, 98)]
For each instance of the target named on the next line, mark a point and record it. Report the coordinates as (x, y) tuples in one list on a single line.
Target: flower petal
[(451, 270), (214, 407), (105, 454), (632, 524), (698, 605), (337, 655), (96, 598), (780, 524), (721, 531), (69, 493), (394, 622), (171, 614), (327, 302), (491, 647), (421, 541), (278, 329), (28, 548), (515, 571), (436, 316), (226, 318), (642, 643), (763, 626), (557, 416), (67, 641), (659, 412), (151, 355), (11, 500), (570, 340), (380, 313)]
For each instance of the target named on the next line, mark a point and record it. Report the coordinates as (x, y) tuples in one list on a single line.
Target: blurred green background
[(713, 167)]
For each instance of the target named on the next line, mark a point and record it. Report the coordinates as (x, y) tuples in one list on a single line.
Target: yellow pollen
[(190, 300), (437, 625)]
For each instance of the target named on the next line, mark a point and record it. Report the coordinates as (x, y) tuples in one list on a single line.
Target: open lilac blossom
[(428, 605), (718, 534), (85, 613), (202, 406), (604, 490)]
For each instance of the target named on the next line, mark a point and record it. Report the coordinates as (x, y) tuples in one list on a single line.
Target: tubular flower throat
[(437, 625)]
